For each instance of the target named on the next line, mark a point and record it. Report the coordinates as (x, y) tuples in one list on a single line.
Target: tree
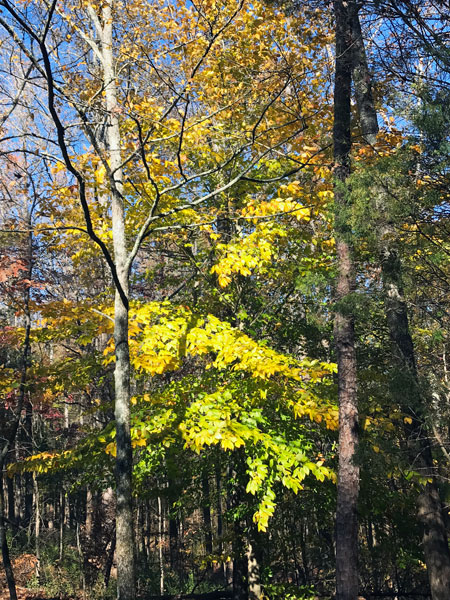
[(263, 130), (348, 474), (407, 387)]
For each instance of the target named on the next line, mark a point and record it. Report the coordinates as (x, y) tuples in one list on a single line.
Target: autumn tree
[(144, 128)]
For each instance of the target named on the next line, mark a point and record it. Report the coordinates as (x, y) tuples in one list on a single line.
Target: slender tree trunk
[(11, 501), (348, 470), (89, 512), (207, 514), (37, 528), (254, 574), (28, 448), (173, 543), (62, 510), (12, 434), (219, 529), (81, 561), (124, 514), (240, 565), (110, 560), (3, 541), (239, 542), (160, 545)]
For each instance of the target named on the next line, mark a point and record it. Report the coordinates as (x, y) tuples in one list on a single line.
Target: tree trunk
[(254, 575), (160, 545), (407, 391), (348, 470), (28, 448), (8, 443), (236, 500), (362, 82), (207, 514), (89, 513), (37, 528), (124, 465), (3, 541), (110, 560), (62, 510), (240, 566), (11, 501)]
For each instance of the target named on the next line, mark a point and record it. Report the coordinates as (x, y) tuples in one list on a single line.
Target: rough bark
[(348, 470), (362, 82)]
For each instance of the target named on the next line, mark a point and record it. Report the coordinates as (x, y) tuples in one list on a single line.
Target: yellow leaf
[(100, 175)]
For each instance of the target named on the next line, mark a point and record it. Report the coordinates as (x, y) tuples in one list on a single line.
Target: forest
[(224, 299)]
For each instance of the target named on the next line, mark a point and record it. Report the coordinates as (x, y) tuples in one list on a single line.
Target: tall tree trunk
[(89, 512), (240, 565), (62, 510), (4, 542), (362, 83), (37, 527), (407, 392), (28, 448), (8, 443), (253, 572), (207, 514), (239, 543), (161, 545), (124, 514), (11, 504), (348, 470)]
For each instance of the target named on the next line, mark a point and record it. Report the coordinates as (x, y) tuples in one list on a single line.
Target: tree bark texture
[(362, 83), (348, 470), (124, 514)]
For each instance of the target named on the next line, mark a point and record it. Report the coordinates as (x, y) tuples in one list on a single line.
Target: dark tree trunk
[(110, 559), (11, 502), (407, 392), (3, 541), (406, 389), (362, 82), (173, 542), (348, 470), (12, 433), (240, 566), (207, 514), (235, 501), (28, 448)]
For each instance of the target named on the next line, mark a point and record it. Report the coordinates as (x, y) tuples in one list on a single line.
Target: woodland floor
[(24, 569)]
